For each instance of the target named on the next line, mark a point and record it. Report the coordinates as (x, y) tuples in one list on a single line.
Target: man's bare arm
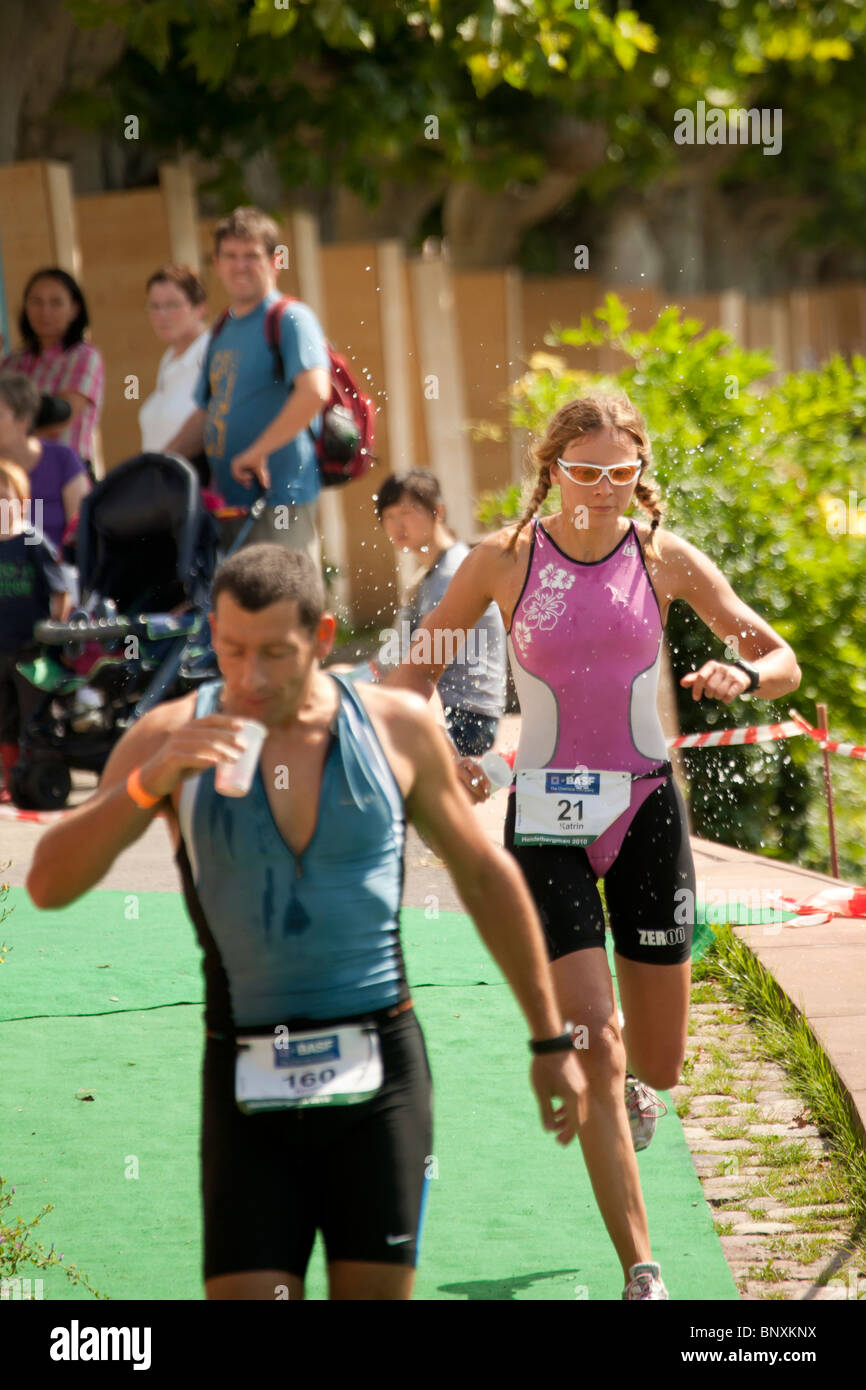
[(189, 439), (73, 855), (488, 880), (493, 890), (310, 394)]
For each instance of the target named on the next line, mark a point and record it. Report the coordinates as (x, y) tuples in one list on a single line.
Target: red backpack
[(344, 448)]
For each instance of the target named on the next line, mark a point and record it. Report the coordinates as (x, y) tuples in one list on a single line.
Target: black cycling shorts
[(355, 1172), (649, 889)]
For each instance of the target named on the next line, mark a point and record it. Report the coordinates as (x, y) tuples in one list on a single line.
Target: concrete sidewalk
[(821, 969)]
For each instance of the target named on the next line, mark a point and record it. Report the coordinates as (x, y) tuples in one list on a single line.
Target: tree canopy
[(513, 104)]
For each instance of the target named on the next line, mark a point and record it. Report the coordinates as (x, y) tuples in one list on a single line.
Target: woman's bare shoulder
[(500, 547), (668, 546), (677, 568)]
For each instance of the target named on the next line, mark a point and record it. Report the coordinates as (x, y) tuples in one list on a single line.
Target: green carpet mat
[(115, 952), (107, 953), (510, 1214)]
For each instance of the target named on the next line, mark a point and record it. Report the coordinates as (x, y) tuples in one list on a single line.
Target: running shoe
[(644, 1109), (645, 1281)]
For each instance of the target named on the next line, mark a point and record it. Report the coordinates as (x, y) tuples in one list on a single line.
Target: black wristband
[(751, 671), (561, 1043)]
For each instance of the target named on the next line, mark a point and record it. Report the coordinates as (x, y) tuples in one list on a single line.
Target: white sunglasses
[(588, 474)]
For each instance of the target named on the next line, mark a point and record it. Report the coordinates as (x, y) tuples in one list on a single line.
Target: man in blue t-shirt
[(254, 427)]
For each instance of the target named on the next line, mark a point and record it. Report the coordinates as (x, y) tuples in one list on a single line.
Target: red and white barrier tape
[(754, 733), (848, 750), (768, 733), (794, 727), (842, 900), (723, 738)]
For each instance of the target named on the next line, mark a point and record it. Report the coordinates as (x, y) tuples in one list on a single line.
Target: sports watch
[(562, 1042), (751, 671)]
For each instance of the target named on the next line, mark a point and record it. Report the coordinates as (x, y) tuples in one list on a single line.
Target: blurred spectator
[(176, 309), (32, 587), (57, 477), (56, 358), (472, 688)]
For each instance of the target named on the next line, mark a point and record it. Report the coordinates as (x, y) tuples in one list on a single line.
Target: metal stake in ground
[(828, 792)]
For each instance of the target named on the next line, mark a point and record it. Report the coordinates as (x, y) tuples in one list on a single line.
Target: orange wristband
[(137, 792)]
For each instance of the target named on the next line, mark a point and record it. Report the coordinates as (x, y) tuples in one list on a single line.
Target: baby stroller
[(146, 553)]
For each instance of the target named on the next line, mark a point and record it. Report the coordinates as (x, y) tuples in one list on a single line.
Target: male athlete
[(294, 891)]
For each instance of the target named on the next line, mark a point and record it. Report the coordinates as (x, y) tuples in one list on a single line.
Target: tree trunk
[(627, 252), (42, 55), (676, 219), (22, 24), (484, 230), (399, 212)]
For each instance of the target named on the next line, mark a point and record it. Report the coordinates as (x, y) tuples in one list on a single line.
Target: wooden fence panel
[(420, 437), (706, 307), (124, 237), (37, 228), (352, 320), (443, 374), (850, 312), (768, 329), (559, 301), (397, 395), (485, 329), (813, 328)]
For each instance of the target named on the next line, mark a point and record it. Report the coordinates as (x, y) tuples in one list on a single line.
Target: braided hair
[(586, 416)]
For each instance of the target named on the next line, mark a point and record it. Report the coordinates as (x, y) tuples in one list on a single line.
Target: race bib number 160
[(341, 1065)]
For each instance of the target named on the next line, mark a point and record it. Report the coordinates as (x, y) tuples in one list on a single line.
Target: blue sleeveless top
[(309, 937)]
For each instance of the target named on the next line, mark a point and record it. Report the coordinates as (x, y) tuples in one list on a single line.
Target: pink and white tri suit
[(585, 649)]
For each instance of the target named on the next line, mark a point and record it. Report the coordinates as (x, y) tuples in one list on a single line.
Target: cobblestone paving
[(777, 1197)]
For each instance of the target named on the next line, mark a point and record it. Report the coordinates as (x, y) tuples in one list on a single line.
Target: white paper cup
[(235, 779), (497, 770)]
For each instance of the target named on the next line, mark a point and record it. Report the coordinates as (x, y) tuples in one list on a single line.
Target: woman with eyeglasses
[(585, 594), (177, 308)]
